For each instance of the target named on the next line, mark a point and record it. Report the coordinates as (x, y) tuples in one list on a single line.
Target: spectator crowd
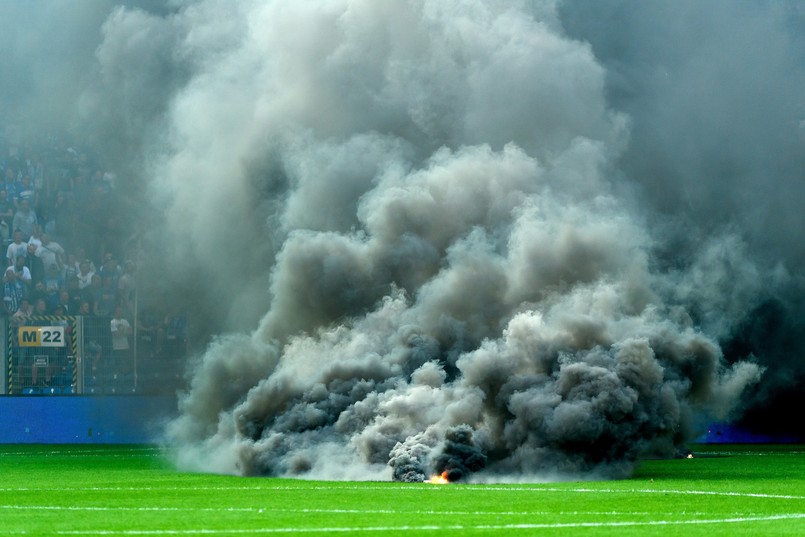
[(69, 248), (66, 250)]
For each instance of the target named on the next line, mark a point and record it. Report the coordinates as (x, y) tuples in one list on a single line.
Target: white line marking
[(413, 488), (485, 527), (86, 452), (649, 491), (707, 454), (357, 511)]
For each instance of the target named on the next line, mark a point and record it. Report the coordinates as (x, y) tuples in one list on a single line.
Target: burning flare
[(439, 479)]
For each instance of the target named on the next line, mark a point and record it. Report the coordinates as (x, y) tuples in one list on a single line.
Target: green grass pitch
[(131, 490)]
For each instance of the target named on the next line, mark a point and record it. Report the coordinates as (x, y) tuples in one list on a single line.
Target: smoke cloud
[(506, 240)]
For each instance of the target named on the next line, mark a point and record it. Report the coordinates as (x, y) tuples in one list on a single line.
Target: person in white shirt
[(85, 274), (121, 330), (51, 253), (16, 248), (36, 236)]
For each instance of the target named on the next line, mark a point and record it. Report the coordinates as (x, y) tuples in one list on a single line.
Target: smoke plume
[(506, 240)]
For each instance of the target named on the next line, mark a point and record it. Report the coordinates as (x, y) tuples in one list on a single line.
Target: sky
[(513, 239)]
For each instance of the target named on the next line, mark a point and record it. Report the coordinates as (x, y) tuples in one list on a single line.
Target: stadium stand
[(62, 214)]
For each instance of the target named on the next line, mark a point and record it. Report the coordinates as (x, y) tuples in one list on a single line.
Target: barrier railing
[(50, 355)]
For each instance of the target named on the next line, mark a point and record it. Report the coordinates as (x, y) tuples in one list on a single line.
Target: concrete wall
[(53, 419)]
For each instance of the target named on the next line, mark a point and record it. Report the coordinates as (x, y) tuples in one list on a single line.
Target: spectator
[(25, 190), (61, 224), (10, 184), (121, 330), (53, 284), (16, 249), (40, 307), (70, 267), (23, 274), (64, 303), (6, 216), (13, 291), (36, 292), (75, 293), (85, 274), (147, 330), (51, 253), (36, 236), (80, 255), (110, 268), (106, 297), (22, 314), (126, 285), (85, 310), (34, 264), (92, 293), (25, 219)]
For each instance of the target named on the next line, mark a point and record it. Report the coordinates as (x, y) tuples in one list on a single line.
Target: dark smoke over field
[(506, 240)]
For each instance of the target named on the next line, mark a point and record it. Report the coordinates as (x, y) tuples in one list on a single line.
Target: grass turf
[(130, 490)]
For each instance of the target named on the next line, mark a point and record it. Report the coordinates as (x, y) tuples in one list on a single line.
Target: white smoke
[(486, 237), (433, 184)]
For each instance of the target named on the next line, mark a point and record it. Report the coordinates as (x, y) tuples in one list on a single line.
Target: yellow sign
[(41, 336)]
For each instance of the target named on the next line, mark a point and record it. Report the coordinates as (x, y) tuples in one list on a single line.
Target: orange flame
[(439, 479)]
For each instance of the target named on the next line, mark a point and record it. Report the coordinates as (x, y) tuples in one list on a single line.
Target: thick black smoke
[(507, 240), (460, 456)]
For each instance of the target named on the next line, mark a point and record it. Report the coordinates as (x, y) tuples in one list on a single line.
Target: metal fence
[(50, 355)]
